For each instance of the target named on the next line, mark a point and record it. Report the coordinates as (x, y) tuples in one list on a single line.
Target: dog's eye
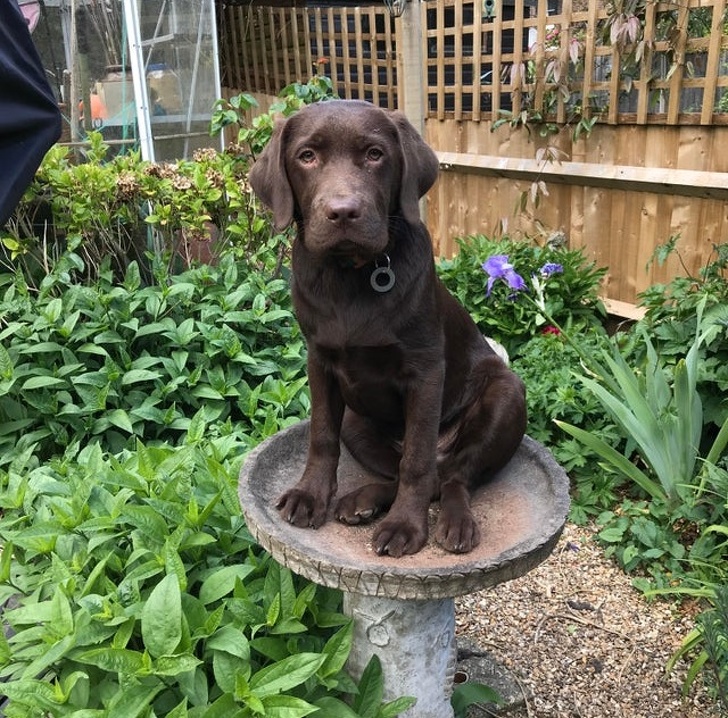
[(374, 154), (306, 156)]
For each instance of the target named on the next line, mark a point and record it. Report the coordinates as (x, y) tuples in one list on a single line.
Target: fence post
[(411, 64)]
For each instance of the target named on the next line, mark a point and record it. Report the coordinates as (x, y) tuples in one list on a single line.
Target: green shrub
[(571, 300), (136, 590), (111, 362), (111, 212), (672, 318), (547, 364)]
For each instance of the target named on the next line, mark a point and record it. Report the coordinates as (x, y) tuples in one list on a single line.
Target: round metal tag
[(382, 279)]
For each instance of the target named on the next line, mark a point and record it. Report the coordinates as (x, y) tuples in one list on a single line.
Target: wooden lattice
[(667, 64), (267, 48)]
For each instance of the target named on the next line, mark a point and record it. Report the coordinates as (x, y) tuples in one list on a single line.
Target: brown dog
[(396, 367)]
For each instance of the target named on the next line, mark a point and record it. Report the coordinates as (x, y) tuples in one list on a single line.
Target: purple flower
[(498, 267), (550, 268)]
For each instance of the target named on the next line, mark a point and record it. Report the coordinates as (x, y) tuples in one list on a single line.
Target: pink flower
[(550, 329)]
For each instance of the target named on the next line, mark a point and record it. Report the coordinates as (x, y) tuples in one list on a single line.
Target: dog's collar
[(382, 276)]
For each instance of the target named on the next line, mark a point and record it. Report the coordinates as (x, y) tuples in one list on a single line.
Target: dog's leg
[(488, 435), (307, 503), (404, 530), (377, 454)]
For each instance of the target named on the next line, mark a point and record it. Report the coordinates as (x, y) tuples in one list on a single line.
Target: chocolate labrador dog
[(397, 368)]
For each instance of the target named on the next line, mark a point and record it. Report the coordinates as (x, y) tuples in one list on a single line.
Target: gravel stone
[(581, 641)]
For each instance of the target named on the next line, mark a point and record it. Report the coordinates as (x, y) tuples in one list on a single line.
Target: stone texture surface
[(521, 512)]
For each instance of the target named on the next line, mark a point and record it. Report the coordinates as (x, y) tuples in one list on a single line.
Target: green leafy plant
[(136, 590), (111, 212), (115, 362), (254, 135), (572, 297), (671, 321), (546, 364), (663, 418)]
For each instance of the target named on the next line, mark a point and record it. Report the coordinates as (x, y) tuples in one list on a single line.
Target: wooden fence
[(267, 47), (623, 121)]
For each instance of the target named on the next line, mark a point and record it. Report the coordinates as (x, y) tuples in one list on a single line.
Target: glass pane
[(179, 46)]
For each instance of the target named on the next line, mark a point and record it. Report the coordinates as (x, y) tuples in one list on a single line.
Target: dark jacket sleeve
[(30, 121)]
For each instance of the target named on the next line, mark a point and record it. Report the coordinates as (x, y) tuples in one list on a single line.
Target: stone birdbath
[(403, 609)]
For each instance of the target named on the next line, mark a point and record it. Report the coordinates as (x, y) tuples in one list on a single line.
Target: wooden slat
[(359, 52), (390, 50), (497, 51), (273, 75), (713, 64), (518, 58), (283, 20), (310, 62), (690, 183), (673, 108), (458, 58), (342, 12), (476, 29), (440, 34), (590, 41), (540, 54), (565, 22), (646, 71)]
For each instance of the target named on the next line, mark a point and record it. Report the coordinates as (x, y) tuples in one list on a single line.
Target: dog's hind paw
[(365, 503)]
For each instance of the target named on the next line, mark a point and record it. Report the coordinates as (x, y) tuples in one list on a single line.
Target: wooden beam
[(624, 310), (688, 183)]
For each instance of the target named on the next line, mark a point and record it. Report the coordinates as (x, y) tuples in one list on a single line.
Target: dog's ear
[(419, 170), (269, 180)]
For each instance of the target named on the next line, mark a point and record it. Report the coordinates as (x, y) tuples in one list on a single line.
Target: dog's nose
[(341, 209)]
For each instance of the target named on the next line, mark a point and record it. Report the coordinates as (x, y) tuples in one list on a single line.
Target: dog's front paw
[(302, 509), (457, 533), (398, 537)]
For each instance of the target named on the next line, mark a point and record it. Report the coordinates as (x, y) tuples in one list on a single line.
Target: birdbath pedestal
[(403, 608)]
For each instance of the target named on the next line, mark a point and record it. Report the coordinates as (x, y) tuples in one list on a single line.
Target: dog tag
[(382, 279)]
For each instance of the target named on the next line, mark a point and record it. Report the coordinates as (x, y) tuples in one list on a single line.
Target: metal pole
[(141, 99)]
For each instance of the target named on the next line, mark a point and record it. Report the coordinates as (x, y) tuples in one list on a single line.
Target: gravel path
[(581, 641)]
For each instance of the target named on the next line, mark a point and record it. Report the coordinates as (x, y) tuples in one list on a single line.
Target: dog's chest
[(371, 378)]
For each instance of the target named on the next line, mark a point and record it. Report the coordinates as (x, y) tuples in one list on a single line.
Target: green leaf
[(114, 660), (617, 460), (6, 558), (337, 651), (222, 582), (133, 701), (162, 617), (330, 707), (286, 674), (286, 707), (468, 694), (61, 615), (134, 376), (229, 639), (174, 665), (43, 382), (371, 689), (397, 706), (120, 419)]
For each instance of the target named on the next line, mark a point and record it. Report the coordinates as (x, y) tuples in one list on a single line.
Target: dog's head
[(342, 169)]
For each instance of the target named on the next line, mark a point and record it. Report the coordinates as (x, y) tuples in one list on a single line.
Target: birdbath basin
[(403, 608)]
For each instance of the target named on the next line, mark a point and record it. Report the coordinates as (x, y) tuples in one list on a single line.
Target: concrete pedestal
[(403, 608)]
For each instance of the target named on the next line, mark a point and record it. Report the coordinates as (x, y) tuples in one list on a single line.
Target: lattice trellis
[(562, 60)]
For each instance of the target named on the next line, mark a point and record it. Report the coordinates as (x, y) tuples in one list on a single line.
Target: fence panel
[(267, 47), (654, 165), (567, 59)]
